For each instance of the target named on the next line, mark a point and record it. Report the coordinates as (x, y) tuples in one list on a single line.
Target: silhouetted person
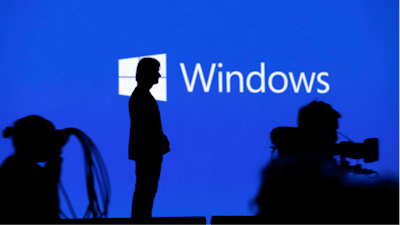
[(28, 192), (147, 142), (306, 185)]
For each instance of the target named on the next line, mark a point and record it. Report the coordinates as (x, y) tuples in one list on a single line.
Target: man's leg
[(147, 176)]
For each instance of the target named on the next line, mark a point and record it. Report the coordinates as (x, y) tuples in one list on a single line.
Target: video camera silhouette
[(290, 140)]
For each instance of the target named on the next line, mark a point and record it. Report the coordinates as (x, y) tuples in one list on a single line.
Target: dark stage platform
[(168, 220)]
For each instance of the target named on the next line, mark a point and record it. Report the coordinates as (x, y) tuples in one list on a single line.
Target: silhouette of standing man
[(147, 142)]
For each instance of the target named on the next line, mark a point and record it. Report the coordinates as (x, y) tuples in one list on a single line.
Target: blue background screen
[(59, 60)]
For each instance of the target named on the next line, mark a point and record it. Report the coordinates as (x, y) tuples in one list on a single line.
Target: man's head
[(318, 115), (319, 122), (147, 71)]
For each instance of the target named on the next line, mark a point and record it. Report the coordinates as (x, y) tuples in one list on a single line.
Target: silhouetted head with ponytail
[(34, 138), (29, 192)]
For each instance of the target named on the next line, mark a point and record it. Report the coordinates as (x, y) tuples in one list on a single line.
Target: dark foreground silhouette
[(296, 190), (305, 184), (28, 192), (147, 142)]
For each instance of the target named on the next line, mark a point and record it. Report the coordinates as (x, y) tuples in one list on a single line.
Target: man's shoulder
[(137, 96), (140, 96), (141, 93)]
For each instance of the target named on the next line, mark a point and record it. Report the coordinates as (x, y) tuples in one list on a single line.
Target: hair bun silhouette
[(8, 132)]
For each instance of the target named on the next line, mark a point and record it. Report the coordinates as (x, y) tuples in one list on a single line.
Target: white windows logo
[(127, 76)]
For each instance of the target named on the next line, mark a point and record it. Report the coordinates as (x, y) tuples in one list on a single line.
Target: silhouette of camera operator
[(316, 135), (28, 192), (305, 184), (147, 142)]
